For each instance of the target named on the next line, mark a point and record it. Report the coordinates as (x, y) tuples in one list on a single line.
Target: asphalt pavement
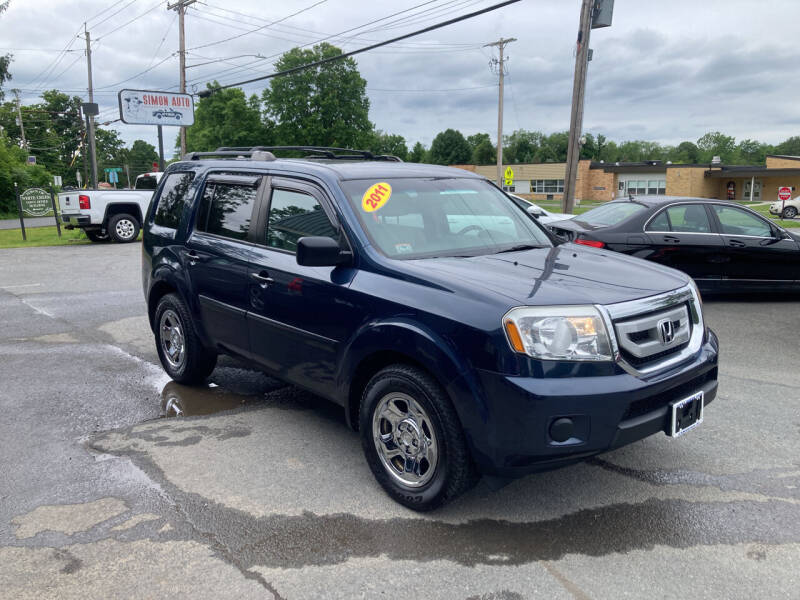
[(116, 482)]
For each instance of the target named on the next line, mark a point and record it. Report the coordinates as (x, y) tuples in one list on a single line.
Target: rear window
[(173, 199), (610, 214), (226, 210), (146, 182)]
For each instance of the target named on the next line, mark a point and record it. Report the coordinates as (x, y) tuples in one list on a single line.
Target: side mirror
[(318, 251), (535, 211)]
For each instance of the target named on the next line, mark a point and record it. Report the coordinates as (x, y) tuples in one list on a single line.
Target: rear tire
[(97, 236), (123, 228), (790, 212), (182, 355), (413, 440)]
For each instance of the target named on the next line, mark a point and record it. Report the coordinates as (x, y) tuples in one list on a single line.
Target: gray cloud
[(661, 72)]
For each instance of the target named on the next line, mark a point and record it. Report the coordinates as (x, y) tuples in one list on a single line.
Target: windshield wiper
[(519, 247)]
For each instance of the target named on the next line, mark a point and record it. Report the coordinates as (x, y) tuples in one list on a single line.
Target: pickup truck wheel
[(97, 236), (123, 228), (790, 212), (413, 440), (182, 355)]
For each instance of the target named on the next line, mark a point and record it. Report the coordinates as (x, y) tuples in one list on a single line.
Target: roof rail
[(252, 152)]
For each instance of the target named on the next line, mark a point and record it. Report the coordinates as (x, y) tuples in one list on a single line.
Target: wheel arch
[(402, 342), (129, 208)]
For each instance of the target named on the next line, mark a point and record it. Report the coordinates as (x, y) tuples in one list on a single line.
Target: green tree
[(714, 144), (450, 148), (325, 105), (387, 143), (417, 154), (686, 153), (139, 158), (13, 168), (751, 152), (789, 147), (227, 118), (484, 153), (5, 59)]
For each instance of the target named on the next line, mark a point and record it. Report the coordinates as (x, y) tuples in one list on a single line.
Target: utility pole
[(88, 111), (180, 6), (19, 118), (501, 44), (594, 14)]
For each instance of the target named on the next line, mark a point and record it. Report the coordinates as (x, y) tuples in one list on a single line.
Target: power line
[(147, 70), (136, 18), (320, 40), (105, 10), (479, 87), (260, 28), (112, 15), (342, 56)]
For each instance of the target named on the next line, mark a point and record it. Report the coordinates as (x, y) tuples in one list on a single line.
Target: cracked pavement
[(260, 490)]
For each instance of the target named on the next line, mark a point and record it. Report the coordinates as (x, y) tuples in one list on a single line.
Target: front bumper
[(608, 412)]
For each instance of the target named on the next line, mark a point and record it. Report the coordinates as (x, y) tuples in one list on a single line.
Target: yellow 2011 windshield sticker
[(376, 196)]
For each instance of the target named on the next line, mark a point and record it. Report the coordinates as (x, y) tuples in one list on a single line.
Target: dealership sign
[(35, 202), (143, 107)]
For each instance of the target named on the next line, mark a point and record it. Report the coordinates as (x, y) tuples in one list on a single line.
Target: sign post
[(19, 208), (55, 212), (784, 194)]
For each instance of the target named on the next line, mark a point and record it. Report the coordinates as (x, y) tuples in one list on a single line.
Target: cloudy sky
[(665, 71)]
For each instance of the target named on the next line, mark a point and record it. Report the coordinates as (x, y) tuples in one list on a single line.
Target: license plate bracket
[(686, 414)]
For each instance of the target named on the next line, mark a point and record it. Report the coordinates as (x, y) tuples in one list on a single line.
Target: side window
[(689, 218), (226, 210), (735, 221), (293, 215), (660, 223), (173, 199)]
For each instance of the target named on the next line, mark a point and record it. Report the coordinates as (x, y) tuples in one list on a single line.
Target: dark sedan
[(722, 245)]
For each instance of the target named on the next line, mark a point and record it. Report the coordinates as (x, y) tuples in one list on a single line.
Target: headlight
[(558, 332)]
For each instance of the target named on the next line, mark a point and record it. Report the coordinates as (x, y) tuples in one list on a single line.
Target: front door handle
[(263, 278), (736, 243)]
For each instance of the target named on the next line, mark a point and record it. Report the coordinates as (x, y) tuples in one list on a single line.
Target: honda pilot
[(461, 341)]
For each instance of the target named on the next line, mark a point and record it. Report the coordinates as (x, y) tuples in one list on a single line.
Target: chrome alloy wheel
[(125, 229), (405, 439), (173, 344)]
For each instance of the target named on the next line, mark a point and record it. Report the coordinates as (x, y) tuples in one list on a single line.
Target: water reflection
[(183, 401)]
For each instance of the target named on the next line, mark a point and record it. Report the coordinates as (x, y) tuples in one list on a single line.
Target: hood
[(566, 274)]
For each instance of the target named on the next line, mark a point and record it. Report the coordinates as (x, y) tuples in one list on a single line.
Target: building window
[(643, 187), (509, 188), (547, 186)]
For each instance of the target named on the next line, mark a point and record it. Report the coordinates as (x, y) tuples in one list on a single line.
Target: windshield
[(414, 218), (609, 214)]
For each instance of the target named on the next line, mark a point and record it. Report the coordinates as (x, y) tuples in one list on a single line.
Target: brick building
[(606, 181)]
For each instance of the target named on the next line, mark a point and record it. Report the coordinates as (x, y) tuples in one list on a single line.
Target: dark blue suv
[(459, 338)]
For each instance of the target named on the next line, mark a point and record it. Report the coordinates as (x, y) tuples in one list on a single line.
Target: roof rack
[(266, 153)]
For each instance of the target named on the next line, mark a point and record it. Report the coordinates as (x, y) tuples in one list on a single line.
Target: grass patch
[(764, 211), (41, 236)]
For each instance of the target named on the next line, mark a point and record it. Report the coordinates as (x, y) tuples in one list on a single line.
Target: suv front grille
[(653, 336)]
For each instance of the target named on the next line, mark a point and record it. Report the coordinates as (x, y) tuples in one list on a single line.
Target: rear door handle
[(736, 243), (193, 257), (263, 278), (672, 239)]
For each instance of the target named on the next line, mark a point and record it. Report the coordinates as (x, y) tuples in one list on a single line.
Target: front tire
[(123, 228), (182, 355), (790, 212), (413, 440)]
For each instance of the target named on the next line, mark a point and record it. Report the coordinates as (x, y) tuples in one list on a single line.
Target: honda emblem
[(666, 331)]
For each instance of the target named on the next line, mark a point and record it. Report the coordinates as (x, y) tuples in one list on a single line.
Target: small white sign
[(144, 107)]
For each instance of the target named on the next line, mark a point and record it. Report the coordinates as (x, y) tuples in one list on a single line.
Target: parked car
[(545, 217), (105, 214), (788, 210), (458, 338), (723, 246)]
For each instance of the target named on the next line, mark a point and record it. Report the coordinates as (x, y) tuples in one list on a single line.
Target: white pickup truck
[(109, 214)]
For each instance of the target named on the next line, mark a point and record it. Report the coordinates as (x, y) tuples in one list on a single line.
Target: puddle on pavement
[(232, 388)]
